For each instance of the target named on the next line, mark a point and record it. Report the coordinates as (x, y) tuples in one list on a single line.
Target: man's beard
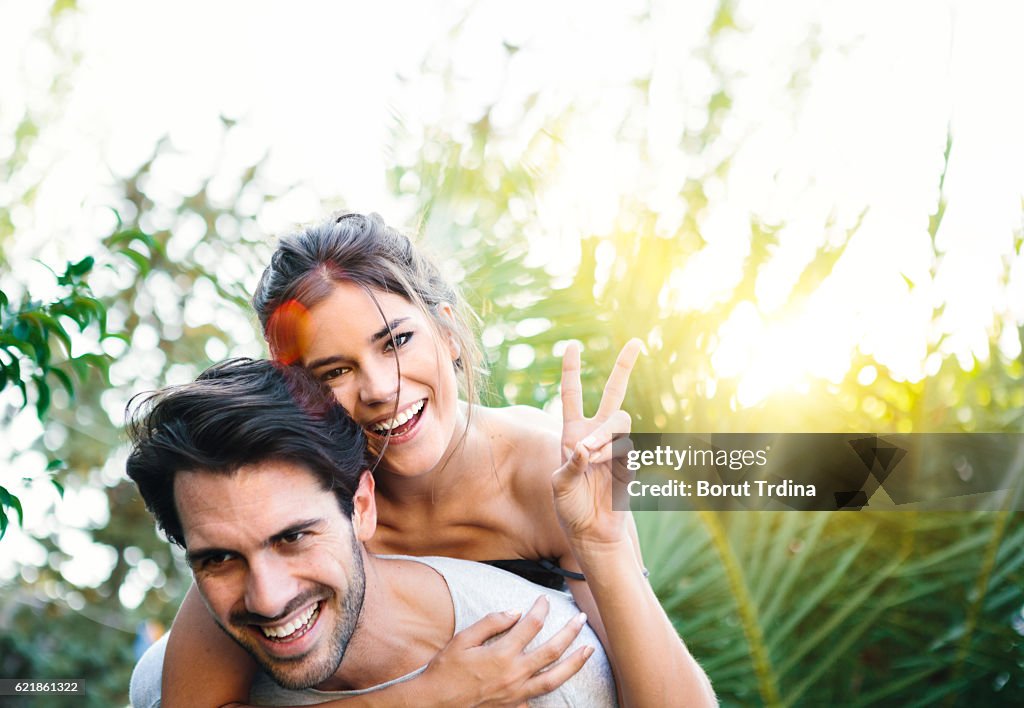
[(301, 672)]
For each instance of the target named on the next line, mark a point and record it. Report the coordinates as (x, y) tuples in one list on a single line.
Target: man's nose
[(269, 587), (378, 382)]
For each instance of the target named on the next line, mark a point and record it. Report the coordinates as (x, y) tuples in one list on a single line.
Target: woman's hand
[(593, 472), (487, 663)]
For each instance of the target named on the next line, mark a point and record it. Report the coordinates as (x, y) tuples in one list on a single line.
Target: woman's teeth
[(303, 621), (400, 419)]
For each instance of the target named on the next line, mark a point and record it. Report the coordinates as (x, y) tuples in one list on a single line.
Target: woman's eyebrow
[(334, 359), (387, 330)]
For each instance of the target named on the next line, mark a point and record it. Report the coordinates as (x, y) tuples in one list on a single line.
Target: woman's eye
[(400, 340), (334, 373)]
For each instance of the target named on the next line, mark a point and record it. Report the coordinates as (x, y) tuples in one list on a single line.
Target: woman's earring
[(457, 361)]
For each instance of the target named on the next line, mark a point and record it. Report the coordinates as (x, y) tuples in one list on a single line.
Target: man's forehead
[(249, 505)]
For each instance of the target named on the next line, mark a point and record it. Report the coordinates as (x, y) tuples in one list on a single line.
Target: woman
[(357, 305)]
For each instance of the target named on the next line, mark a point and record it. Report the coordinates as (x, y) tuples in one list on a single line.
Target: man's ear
[(447, 317), (364, 508)]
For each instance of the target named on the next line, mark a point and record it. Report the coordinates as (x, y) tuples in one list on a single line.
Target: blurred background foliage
[(781, 608)]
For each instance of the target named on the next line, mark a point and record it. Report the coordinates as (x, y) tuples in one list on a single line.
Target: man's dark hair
[(238, 413)]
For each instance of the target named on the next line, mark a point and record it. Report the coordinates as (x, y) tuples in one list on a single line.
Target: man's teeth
[(400, 419), (295, 625)]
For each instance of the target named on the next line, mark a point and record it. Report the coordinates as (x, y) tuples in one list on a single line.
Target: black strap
[(559, 570)]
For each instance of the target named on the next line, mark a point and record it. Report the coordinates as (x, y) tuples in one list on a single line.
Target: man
[(260, 475)]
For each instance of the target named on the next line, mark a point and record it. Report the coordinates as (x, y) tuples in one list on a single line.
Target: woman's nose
[(378, 382)]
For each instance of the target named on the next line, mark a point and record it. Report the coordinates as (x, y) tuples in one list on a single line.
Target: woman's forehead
[(355, 297)]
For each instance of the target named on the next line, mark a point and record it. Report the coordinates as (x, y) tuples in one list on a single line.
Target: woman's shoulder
[(522, 428), (525, 448), (525, 442)]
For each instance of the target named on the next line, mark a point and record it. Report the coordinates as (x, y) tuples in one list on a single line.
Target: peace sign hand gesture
[(583, 484)]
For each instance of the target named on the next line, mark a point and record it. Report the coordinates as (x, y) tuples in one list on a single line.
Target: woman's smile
[(398, 429)]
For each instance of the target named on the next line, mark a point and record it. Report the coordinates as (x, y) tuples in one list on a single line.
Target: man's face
[(277, 564)]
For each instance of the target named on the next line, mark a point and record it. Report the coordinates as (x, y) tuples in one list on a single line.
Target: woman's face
[(348, 347)]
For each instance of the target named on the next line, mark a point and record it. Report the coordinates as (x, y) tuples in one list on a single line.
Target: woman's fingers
[(599, 442), (614, 390), (548, 680), (563, 480), (485, 628), (528, 625), (618, 380), (551, 651), (572, 389)]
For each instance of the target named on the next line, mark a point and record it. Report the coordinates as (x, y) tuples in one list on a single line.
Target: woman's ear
[(447, 317), (364, 508)]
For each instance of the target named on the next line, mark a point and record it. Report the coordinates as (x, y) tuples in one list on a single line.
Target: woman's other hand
[(593, 472)]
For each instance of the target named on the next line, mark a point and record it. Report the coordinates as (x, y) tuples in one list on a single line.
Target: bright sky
[(316, 86)]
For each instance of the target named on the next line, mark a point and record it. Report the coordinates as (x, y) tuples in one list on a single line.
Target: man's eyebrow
[(194, 558), (297, 527), (375, 337)]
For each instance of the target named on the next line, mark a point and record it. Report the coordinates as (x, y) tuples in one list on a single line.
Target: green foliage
[(842, 609), (35, 350)]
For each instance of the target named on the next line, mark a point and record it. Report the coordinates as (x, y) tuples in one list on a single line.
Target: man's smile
[(295, 628)]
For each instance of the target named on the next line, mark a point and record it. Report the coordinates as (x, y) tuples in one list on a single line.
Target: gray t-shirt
[(476, 590)]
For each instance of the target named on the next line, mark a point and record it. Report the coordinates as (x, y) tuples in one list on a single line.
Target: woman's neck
[(468, 453)]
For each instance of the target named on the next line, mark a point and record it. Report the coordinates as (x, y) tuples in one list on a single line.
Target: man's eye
[(290, 538), (400, 340), (216, 561)]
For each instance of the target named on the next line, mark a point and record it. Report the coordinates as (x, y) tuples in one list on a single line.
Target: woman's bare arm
[(204, 667), (652, 664)]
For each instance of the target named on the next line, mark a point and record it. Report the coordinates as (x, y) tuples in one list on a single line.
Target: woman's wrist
[(599, 559)]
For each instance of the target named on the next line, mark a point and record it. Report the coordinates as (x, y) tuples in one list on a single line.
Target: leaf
[(82, 363), (65, 381), (767, 676), (21, 330), (82, 267), (119, 336), (24, 391), (47, 323), (26, 347), (75, 271), (124, 238), (43, 399), (139, 259), (9, 501)]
